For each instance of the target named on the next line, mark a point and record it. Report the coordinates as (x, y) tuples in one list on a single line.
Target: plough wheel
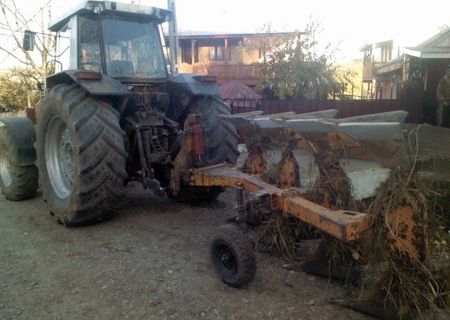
[(232, 256)]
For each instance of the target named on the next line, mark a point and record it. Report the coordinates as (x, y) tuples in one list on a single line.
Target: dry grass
[(412, 285), (416, 287)]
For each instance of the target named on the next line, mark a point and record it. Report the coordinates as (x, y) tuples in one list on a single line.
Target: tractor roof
[(97, 7)]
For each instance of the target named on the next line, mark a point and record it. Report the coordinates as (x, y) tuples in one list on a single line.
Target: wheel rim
[(5, 166), (225, 259), (59, 157)]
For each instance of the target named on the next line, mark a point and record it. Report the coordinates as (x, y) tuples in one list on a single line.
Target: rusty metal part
[(197, 133), (288, 167), (189, 155), (255, 128), (256, 161), (241, 206), (223, 175), (380, 137), (405, 234), (377, 137), (31, 114), (380, 141), (341, 224)]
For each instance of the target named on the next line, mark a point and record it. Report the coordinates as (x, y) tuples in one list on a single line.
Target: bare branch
[(14, 56), (16, 39), (24, 20)]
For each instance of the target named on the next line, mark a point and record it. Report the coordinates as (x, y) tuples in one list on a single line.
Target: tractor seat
[(120, 68)]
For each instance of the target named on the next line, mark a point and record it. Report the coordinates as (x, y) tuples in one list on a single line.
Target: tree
[(295, 69), (350, 75), (15, 23), (15, 90)]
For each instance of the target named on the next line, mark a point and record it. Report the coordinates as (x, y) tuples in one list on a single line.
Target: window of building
[(186, 54), (218, 53)]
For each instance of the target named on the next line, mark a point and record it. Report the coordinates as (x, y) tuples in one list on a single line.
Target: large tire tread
[(24, 182), (222, 137), (24, 185), (99, 154), (220, 146), (233, 237)]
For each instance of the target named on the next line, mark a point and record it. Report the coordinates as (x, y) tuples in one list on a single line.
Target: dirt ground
[(149, 262)]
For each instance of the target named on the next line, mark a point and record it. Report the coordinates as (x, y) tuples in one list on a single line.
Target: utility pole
[(173, 37)]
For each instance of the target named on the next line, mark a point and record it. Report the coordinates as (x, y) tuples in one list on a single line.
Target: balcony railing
[(246, 74)]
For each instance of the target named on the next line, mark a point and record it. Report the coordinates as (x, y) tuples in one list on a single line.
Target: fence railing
[(244, 104)]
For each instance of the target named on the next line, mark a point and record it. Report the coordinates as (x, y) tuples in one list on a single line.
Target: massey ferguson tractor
[(112, 116)]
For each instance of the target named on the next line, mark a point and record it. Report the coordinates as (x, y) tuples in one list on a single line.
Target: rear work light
[(88, 75)]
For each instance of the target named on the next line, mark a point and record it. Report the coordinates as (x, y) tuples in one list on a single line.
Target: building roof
[(235, 90), (436, 47), (379, 44), (218, 35), (390, 66)]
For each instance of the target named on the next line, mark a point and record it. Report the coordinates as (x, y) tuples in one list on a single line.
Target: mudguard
[(94, 83), (194, 84), (185, 86), (21, 130)]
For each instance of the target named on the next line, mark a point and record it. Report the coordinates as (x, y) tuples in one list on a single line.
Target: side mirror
[(28, 40)]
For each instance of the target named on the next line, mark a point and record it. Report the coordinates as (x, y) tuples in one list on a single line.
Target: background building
[(410, 73), (227, 56)]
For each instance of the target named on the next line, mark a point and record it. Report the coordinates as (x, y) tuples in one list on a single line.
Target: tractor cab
[(115, 39)]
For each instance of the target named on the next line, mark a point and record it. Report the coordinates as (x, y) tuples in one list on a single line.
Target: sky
[(346, 24)]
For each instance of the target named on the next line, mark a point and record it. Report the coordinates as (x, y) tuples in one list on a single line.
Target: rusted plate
[(403, 235), (343, 225)]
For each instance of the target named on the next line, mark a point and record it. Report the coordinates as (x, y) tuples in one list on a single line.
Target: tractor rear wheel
[(80, 155), (17, 182), (221, 135), (221, 141)]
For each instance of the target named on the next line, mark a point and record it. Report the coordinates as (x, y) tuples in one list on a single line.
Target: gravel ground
[(149, 262)]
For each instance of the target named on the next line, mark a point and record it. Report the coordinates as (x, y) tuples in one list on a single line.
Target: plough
[(362, 150)]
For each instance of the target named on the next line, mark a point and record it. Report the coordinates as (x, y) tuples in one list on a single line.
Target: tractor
[(112, 115), (358, 184)]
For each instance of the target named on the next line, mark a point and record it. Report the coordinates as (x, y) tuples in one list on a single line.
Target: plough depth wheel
[(232, 256)]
